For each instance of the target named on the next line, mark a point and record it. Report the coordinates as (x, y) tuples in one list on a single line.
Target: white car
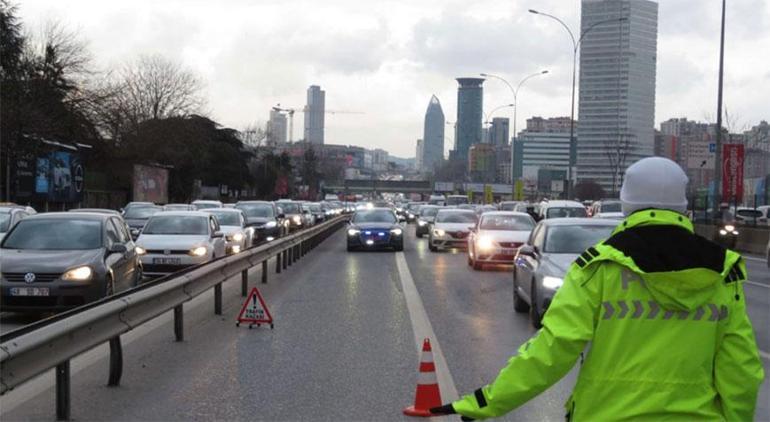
[(232, 223), (202, 204), (451, 228), (562, 209), (607, 209), (497, 237), (175, 240)]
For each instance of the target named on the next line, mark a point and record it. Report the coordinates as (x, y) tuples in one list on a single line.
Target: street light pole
[(575, 46), (718, 141), (515, 93)]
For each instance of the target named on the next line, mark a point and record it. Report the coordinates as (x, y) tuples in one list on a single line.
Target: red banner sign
[(732, 172)]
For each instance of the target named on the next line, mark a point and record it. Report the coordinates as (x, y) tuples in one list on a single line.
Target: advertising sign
[(58, 177), (150, 184), (732, 172)]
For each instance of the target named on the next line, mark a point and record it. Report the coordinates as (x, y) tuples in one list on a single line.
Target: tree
[(617, 152), (253, 135), (589, 190)]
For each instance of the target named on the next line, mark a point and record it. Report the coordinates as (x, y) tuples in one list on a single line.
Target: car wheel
[(138, 275), (432, 248), (519, 305), (534, 310), (109, 288), (478, 266), (400, 246), (350, 248), (419, 235), (470, 260)]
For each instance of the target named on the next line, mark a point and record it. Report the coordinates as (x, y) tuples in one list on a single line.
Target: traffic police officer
[(665, 314)]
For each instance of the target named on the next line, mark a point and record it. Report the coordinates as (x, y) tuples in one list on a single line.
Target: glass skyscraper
[(433, 136), (470, 96), (617, 89), (314, 115)]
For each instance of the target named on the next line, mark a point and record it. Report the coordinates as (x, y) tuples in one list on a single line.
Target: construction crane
[(291, 110)]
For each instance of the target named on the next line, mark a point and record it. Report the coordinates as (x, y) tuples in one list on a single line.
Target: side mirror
[(118, 248), (217, 235), (281, 216), (528, 250)]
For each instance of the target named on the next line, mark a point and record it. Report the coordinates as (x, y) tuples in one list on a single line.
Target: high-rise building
[(418, 156), (470, 96), (314, 115), (498, 132), (276, 128), (482, 163), (433, 136), (617, 88)]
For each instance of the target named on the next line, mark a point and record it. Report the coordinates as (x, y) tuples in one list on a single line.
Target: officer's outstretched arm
[(738, 370), (544, 359)]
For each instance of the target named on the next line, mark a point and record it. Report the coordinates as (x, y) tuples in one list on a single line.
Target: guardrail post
[(245, 282), (264, 272), (285, 258), (290, 254), (278, 263), (63, 391), (116, 362), (179, 323), (218, 299)]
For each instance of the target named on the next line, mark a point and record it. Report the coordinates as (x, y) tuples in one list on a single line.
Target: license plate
[(508, 251), (30, 291), (167, 261)]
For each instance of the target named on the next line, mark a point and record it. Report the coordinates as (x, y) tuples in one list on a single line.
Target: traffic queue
[(55, 261)]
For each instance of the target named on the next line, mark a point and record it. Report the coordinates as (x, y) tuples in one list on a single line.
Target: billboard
[(732, 172), (58, 177), (150, 184), (701, 153)]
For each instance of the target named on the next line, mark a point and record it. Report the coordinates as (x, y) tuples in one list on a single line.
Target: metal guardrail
[(29, 352)]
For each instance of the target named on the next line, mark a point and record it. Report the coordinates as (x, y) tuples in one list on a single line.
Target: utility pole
[(718, 139)]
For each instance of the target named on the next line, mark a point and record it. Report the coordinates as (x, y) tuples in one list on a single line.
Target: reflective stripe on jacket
[(666, 317)]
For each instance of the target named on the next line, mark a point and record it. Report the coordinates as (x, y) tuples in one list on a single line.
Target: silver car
[(9, 216), (497, 237), (541, 264), (175, 240), (451, 229), (232, 223)]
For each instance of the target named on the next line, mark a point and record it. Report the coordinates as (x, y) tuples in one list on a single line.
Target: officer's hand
[(447, 409)]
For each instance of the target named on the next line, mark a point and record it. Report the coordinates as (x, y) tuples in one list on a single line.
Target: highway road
[(344, 347)]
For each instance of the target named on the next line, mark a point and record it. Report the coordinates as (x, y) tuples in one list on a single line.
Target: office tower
[(418, 157), (276, 128), (314, 115), (498, 132), (617, 88), (433, 136), (470, 97)]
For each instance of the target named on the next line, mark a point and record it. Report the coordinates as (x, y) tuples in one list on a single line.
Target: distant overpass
[(391, 186)]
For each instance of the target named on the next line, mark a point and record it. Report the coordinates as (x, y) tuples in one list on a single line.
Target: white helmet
[(654, 182)]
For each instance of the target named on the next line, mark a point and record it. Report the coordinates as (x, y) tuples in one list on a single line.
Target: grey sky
[(386, 58)]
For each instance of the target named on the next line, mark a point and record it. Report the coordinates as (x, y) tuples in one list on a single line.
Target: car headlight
[(439, 232), (552, 283), (296, 219), (397, 232), (78, 274), (421, 223), (238, 237), (485, 242), (270, 224), (140, 250), (723, 232), (729, 227), (353, 232), (236, 249), (199, 251)]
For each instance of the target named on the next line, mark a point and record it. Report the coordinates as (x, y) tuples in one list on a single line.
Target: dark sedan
[(136, 218), (375, 228), (541, 264), (265, 217), (56, 261)]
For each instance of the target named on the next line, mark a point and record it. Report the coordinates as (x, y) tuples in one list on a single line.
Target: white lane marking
[(764, 355), (754, 283), (754, 258), (44, 381), (422, 329)]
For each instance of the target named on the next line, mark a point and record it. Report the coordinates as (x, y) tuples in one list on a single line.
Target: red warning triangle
[(254, 310)]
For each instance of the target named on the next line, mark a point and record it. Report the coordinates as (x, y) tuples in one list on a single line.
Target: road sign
[(254, 311), (518, 190), (557, 185)]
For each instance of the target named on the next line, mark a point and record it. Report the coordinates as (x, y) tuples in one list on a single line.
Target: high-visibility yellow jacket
[(664, 312)]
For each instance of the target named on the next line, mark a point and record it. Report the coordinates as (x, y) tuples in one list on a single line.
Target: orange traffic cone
[(427, 395)]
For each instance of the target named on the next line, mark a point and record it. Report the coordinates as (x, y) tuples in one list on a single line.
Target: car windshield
[(206, 205), (508, 206), (611, 207), (256, 210), (574, 239), (55, 234), (428, 211), (413, 206), (228, 218), (562, 212), (140, 213), (315, 208), (507, 222), (177, 224), (289, 208), (5, 221), (456, 200), (374, 216), (456, 217), (176, 207)]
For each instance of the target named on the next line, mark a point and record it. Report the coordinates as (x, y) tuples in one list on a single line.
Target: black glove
[(447, 409)]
